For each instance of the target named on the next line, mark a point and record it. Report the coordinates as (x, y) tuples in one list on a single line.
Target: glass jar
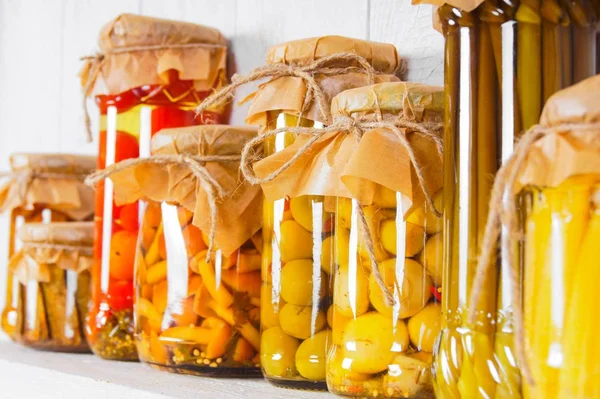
[(195, 315), (138, 103), (42, 188), (383, 349), (296, 282), (52, 268)]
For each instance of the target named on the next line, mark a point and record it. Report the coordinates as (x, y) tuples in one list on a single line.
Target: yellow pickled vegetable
[(346, 283), (414, 238), (424, 327), (278, 352), (406, 377), (299, 280), (302, 211), (311, 356), (300, 322), (424, 217), (296, 242), (431, 258)]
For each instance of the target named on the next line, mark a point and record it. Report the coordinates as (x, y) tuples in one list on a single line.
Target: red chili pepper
[(436, 293)]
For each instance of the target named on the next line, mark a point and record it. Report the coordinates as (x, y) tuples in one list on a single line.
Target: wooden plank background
[(41, 42)]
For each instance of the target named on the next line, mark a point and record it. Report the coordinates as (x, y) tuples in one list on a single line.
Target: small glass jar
[(296, 278), (195, 315), (383, 349), (43, 188), (52, 268), (139, 102)]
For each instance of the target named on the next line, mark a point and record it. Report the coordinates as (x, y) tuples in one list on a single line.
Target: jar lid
[(68, 164), (128, 30), (382, 56), (393, 97), (579, 103), (203, 140), (59, 233)]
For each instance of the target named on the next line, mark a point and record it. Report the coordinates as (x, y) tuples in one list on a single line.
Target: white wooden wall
[(41, 42)]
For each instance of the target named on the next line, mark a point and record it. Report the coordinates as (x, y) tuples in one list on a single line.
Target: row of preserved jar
[(339, 271)]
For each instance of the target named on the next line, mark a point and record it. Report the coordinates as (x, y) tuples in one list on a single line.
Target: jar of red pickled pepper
[(150, 75)]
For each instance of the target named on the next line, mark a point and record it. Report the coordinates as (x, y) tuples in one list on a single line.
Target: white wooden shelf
[(28, 373)]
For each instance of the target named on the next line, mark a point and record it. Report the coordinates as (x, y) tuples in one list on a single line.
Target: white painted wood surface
[(41, 42), (25, 373)]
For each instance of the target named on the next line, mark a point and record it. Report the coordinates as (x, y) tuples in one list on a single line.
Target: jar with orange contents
[(197, 273), (177, 64), (41, 188)]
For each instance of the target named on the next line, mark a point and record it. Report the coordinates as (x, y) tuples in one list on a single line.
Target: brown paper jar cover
[(52, 180), (575, 148), (338, 165), (239, 212), (465, 5), (124, 70), (67, 245), (288, 93)]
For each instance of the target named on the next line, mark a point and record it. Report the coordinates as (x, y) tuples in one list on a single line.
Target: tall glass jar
[(380, 348), (195, 315), (296, 275), (55, 285), (42, 188), (138, 103)]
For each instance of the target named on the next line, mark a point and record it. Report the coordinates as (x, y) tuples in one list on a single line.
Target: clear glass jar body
[(380, 349), (11, 316), (560, 271), (127, 122), (194, 317), (295, 335)]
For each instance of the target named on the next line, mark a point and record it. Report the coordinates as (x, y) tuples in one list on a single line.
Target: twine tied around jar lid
[(97, 62), (504, 214), (306, 73), (214, 191), (357, 127)]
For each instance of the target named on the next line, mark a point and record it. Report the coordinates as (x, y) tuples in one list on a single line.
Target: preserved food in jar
[(42, 188), (139, 102), (383, 347), (555, 176), (52, 268), (296, 284), (194, 314)]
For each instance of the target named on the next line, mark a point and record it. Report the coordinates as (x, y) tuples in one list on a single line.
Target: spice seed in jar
[(213, 364), (202, 354), (199, 361), (196, 352), (219, 360), (206, 361)]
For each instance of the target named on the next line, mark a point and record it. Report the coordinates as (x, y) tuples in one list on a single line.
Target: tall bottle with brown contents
[(41, 188), (502, 59), (197, 279), (53, 269), (296, 284), (175, 65)]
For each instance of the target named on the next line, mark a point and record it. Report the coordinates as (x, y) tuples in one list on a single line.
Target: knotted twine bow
[(504, 213), (357, 127), (306, 73), (214, 191), (97, 62)]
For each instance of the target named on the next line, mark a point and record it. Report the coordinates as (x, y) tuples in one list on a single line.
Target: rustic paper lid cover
[(382, 56), (53, 163), (393, 97), (128, 30), (60, 233), (576, 104), (202, 140)]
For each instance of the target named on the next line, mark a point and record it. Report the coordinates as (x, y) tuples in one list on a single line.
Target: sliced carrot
[(159, 296), (255, 301), (140, 268), (158, 351), (243, 351), (185, 316), (213, 322), (153, 255), (196, 335), (249, 261), (146, 309), (287, 215), (146, 291), (202, 302), (193, 239), (162, 247), (230, 261), (184, 216), (218, 343), (254, 314), (243, 282), (195, 261), (256, 358), (221, 294), (157, 272), (194, 282)]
